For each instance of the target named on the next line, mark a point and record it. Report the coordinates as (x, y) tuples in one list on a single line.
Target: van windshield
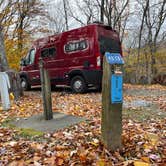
[(109, 45), (29, 59)]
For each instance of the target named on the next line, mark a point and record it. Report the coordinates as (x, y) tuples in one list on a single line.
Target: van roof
[(89, 25), (52, 38)]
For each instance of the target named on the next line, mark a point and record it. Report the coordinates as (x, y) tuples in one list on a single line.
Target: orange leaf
[(140, 163), (82, 157), (146, 159), (59, 161)]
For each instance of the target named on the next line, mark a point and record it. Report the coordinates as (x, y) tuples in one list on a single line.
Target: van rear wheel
[(78, 84), (25, 84)]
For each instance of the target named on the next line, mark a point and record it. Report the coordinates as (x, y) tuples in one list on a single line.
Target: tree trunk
[(66, 16), (20, 35), (146, 63), (15, 84), (13, 76), (3, 60), (102, 11)]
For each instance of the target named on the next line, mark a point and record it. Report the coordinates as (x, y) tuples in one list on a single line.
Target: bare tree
[(153, 17), (113, 10), (3, 59), (114, 13), (26, 11), (117, 14), (102, 11), (58, 16), (85, 11), (65, 3)]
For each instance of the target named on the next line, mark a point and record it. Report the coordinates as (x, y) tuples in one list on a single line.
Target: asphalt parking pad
[(37, 122)]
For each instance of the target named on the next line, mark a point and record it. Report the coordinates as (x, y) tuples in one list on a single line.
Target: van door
[(49, 56), (31, 68)]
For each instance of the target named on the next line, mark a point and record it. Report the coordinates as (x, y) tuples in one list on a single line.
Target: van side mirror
[(22, 62)]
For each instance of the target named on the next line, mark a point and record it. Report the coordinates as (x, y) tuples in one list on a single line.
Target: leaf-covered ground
[(144, 131)]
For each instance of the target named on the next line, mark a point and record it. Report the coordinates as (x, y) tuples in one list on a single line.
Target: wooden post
[(111, 122), (46, 91)]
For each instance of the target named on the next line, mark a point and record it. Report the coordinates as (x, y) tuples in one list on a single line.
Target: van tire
[(78, 84), (99, 88), (25, 84)]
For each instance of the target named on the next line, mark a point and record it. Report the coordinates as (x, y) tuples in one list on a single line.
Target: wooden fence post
[(111, 122), (46, 91)]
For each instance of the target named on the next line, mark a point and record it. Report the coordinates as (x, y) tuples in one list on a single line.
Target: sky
[(56, 10)]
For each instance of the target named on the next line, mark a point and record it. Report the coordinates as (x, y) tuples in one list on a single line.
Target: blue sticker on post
[(114, 58), (116, 89)]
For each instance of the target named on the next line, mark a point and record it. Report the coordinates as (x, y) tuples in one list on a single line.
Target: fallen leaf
[(101, 162), (59, 161), (140, 163), (145, 159), (12, 143), (153, 138), (154, 157)]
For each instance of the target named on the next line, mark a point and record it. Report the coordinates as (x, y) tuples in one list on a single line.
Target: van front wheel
[(24, 84), (78, 84)]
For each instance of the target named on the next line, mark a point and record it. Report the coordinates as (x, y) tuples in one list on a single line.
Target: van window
[(48, 52), (108, 44), (75, 46), (29, 59)]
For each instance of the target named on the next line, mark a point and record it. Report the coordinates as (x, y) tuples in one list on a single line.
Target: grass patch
[(142, 114), (23, 132), (28, 132), (7, 123)]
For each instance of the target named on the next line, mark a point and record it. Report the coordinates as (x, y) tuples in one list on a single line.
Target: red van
[(72, 58)]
